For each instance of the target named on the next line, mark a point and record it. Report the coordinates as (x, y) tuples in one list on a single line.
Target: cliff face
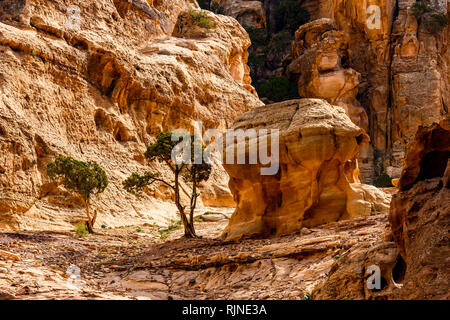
[(390, 73), (413, 254), (420, 215), (97, 82)]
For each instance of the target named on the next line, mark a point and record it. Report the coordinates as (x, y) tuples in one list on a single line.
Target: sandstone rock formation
[(393, 71), (249, 13), (321, 63), (97, 81), (413, 253), (317, 181), (403, 67), (420, 215)]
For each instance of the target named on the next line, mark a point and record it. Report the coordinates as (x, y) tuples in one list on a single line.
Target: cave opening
[(433, 165), (399, 270)]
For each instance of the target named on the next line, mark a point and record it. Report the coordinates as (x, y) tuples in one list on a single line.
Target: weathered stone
[(101, 93), (420, 215), (248, 13), (317, 178)]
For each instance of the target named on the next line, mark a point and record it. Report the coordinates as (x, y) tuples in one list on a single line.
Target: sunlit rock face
[(97, 82), (317, 178)]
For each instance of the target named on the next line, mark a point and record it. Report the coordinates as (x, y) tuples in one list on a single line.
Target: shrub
[(81, 230), (278, 89), (202, 19), (434, 22), (437, 22), (84, 178), (418, 9), (255, 59), (290, 15), (280, 40), (257, 36), (383, 181)]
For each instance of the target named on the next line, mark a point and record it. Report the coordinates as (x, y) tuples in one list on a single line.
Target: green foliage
[(161, 151), (255, 59), (173, 225), (383, 181), (259, 37), (135, 183), (290, 15), (307, 296), (278, 89), (434, 22), (280, 39), (85, 178), (437, 22), (418, 9), (202, 19), (81, 230)]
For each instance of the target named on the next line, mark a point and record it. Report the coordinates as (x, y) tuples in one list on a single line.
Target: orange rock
[(317, 178)]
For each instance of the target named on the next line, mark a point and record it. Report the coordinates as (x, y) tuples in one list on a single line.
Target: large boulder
[(317, 178)]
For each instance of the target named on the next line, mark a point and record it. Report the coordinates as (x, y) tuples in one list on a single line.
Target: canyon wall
[(382, 63), (412, 255), (97, 82)]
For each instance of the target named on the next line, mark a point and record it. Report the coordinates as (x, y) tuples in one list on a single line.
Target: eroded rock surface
[(100, 90), (420, 215), (317, 178), (125, 264), (249, 13), (413, 254)]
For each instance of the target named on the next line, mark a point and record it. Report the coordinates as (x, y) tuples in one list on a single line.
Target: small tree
[(193, 173), (84, 178)]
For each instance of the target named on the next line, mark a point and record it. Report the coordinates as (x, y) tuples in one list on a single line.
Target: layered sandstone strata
[(317, 178), (98, 86)]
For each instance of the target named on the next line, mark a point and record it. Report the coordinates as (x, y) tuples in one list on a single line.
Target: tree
[(192, 171), (84, 178), (278, 89), (290, 15)]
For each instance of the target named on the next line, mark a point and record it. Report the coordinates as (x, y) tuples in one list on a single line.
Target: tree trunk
[(193, 199), (89, 221), (189, 231)]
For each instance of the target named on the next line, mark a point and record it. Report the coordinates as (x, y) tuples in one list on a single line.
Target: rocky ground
[(147, 262)]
